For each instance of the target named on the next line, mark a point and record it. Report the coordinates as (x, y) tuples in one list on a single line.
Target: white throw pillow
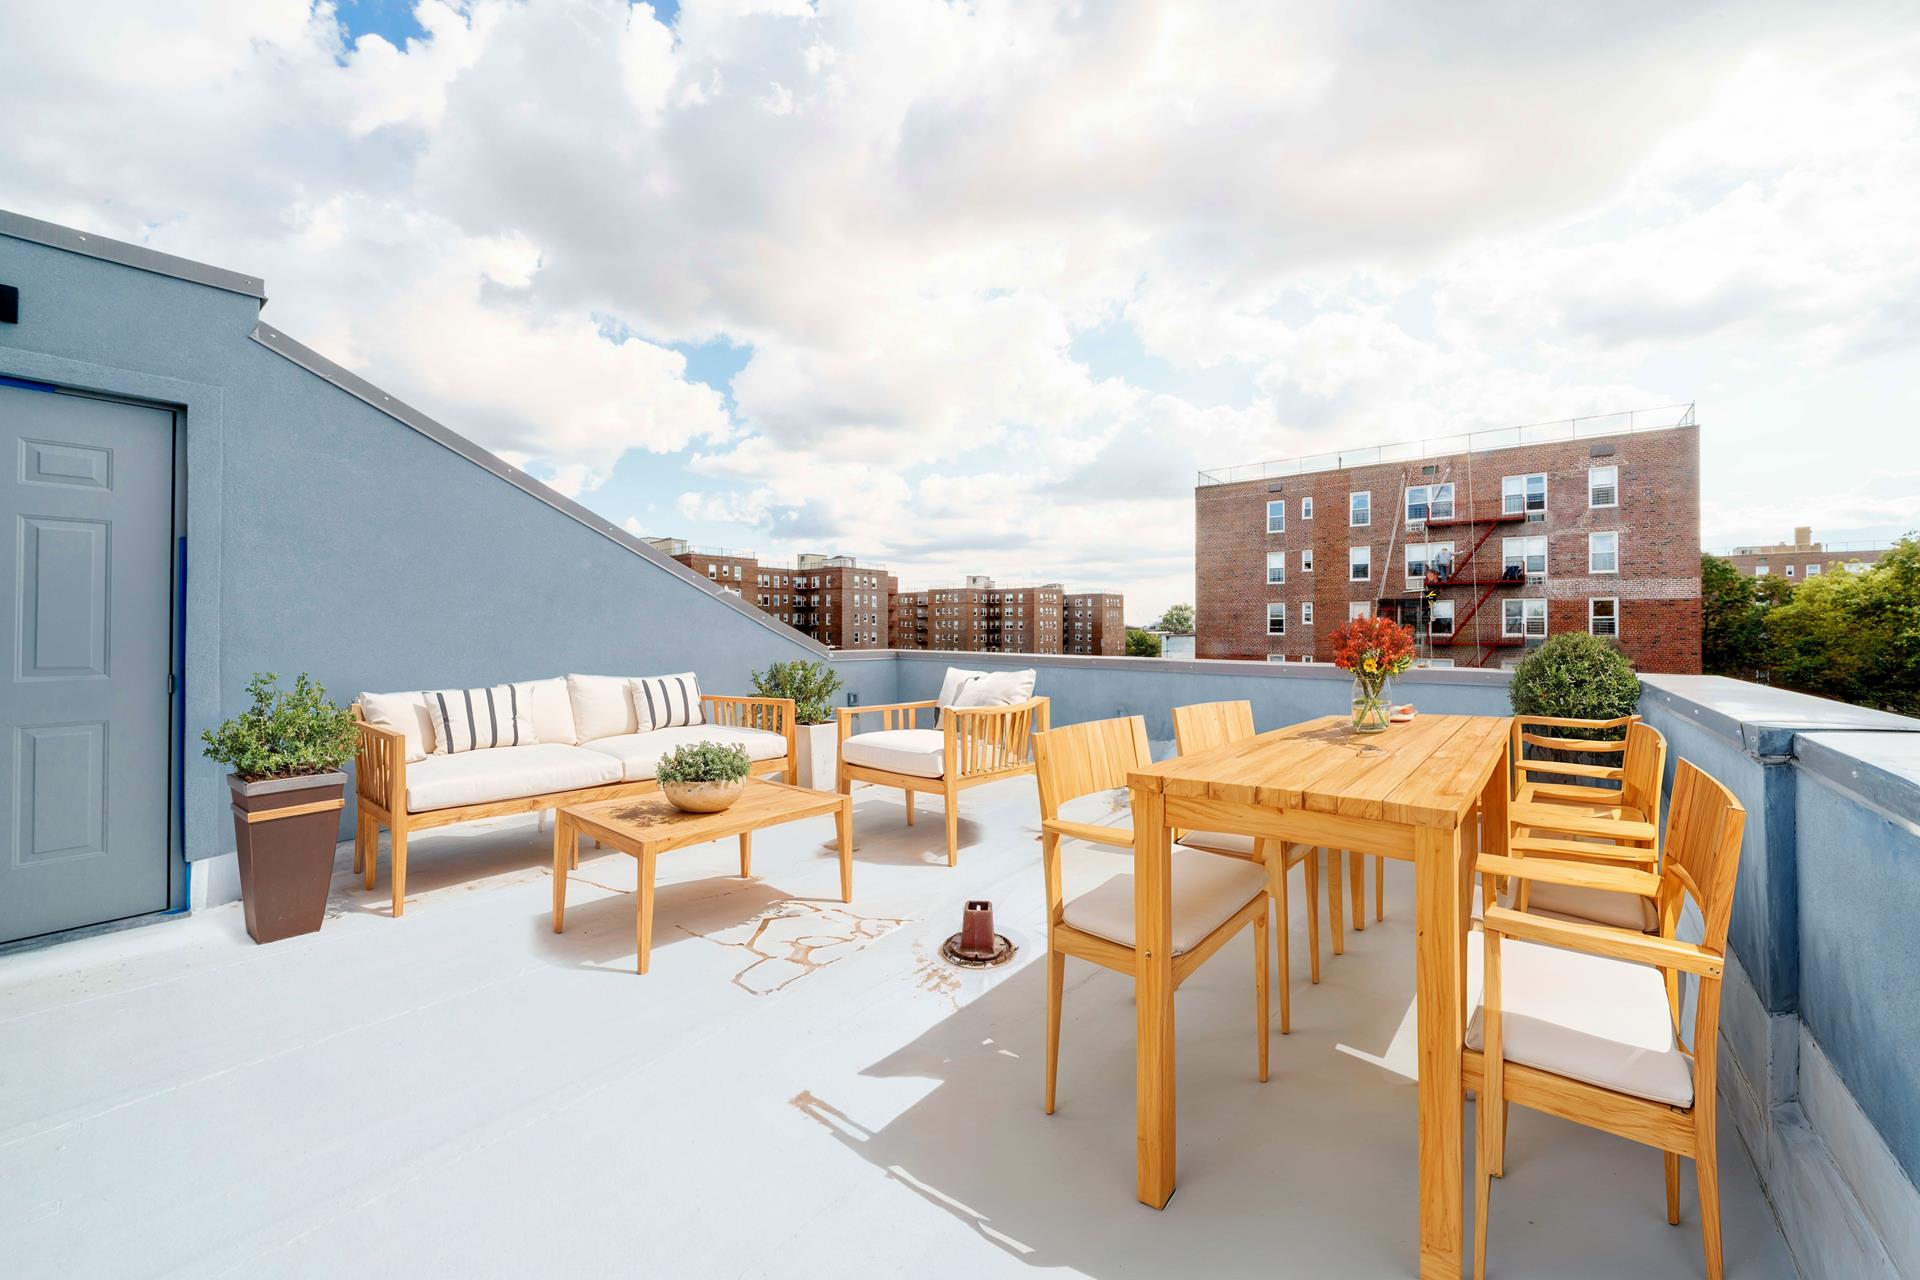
[(405, 712), (480, 719), (957, 679), (552, 711), (601, 707), (998, 689), (667, 702)]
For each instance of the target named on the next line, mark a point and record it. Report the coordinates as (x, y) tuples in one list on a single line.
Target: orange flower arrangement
[(1374, 649)]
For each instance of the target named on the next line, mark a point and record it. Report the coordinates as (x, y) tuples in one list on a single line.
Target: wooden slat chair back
[(1211, 724), (1705, 823), (1542, 742), (1616, 821), (1081, 760)]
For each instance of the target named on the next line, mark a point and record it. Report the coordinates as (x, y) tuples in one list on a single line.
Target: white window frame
[(1761, 571), (1276, 560), (1306, 613), (1530, 608), (1592, 616), (1435, 617), (1277, 657), (1789, 571), (1427, 498), (1306, 560), (1425, 551), (1512, 487), (1813, 571), (1277, 507), (1360, 558), (1434, 662), (1306, 508), (1277, 612), (1359, 609), (1594, 543), (1356, 500), (1612, 486), (1507, 556)]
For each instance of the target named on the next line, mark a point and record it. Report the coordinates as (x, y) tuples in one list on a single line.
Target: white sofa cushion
[(666, 702), (1588, 1017), (638, 754), (997, 689), (957, 678), (504, 773), (405, 712), (1207, 890), (919, 752), (602, 707), (500, 715), (552, 710)]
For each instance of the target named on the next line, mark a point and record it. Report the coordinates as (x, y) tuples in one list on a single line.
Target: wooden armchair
[(1582, 1020), (1213, 897), (1201, 726), (971, 746)]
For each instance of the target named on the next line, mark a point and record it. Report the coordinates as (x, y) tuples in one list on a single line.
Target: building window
[(1442, 621), (1277, 619), (1760, 571), (1277, 516), (1359, 509), (1603, 486), (1524, 495), (1528, 555), (1276, 657), (1603, 553), (1360, 564), (1306, 613), (1430, 502), (1813, 571), (1359, 609), (710, 573), (1525, 618), (1276, 568), (1306, 561), (1789, 571), (1422, 556), (1306, 508), (1603, 616)]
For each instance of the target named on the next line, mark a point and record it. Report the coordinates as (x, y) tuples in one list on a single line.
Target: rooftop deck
[(797, 1088)]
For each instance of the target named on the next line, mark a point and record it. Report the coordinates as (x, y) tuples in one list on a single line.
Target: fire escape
[(1483, 576)]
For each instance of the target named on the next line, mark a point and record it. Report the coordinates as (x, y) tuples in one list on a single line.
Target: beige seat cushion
[(919, 752), (1207, 890), (1099, 809), (638, 754), (1584, 906), (1240, 846), (504, 773), (1586, 1017)]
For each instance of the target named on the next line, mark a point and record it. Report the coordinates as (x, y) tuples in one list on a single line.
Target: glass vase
[(1372, 705)]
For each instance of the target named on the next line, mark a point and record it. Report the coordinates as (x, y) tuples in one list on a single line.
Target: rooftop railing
[(1630, 422)]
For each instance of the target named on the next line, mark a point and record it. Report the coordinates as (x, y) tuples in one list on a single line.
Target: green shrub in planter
[(704, 762), (1578, 676), (811, 685), (285, 733)]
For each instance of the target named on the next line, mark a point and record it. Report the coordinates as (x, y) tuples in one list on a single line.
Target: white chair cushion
[(1219, 842), (957, 678), (1099, 809), (997, 689), (638, 754), (1583, 906), (602, 707), (1586, 1017), (504, 773), (405, 712), (552, 710), (920, 752), (1207, 890)]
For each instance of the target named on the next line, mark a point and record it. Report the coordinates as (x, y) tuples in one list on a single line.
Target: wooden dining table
[(1409, 793)]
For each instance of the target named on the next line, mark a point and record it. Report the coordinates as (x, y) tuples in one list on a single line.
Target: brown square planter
[(284, 830)]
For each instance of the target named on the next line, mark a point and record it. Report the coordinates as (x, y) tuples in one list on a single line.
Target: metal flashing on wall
[(20, 227)]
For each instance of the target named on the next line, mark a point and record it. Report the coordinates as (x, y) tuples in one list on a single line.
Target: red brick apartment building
[(835, 599), (1804, 558), (1485, 544), (981, 617), (1096, 623)]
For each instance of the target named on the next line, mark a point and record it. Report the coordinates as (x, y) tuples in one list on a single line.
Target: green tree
[(1733, 632), (1142, 643), (1576, 675), (1178, 619), (1853, 636)]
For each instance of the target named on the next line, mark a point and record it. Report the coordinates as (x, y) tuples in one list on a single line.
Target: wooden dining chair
[(1582, 1020), (1212, 724), (1213, 897)]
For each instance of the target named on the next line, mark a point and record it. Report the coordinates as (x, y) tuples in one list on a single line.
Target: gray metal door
[(86, 505)]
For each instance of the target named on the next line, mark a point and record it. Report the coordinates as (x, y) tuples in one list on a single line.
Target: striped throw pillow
[(667, 702), (478, 719)]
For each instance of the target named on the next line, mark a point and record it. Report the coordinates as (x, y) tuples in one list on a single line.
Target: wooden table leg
[(1336, 900), (643, 912), (1153, 999), (746, 854), (1357, 877), (1439, 951), (562, 854), (843, 821)]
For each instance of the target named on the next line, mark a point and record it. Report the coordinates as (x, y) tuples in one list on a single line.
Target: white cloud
[(1376, 221)]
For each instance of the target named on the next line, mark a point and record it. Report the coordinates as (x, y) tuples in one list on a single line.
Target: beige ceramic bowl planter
[(703, 797), (703, 777)]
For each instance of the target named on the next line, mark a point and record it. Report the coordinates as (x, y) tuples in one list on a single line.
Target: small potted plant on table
[(1375, 650), (811, 685), (703, 777), (285, 752)]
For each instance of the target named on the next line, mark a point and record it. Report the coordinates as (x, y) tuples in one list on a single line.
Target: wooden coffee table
[(648, 826)]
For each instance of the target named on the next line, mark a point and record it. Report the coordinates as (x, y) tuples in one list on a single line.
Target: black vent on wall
[(1601, 451), (9, 304)]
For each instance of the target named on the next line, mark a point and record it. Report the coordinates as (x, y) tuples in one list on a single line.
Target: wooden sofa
[(390, 796)]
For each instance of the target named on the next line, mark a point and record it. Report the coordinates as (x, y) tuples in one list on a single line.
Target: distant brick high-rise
[(1486, 550), (1096, 623), (835, 599), (1804, 558)]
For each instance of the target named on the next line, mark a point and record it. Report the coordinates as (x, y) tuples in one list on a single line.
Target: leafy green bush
[(1575, 675), (1142, 643), (811, 685), (704, 762), (285, 733)]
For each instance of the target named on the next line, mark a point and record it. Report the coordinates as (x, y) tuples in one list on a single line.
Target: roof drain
[(977, 946)]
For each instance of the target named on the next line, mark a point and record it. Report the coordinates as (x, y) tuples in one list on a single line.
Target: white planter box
[(816, 749)]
